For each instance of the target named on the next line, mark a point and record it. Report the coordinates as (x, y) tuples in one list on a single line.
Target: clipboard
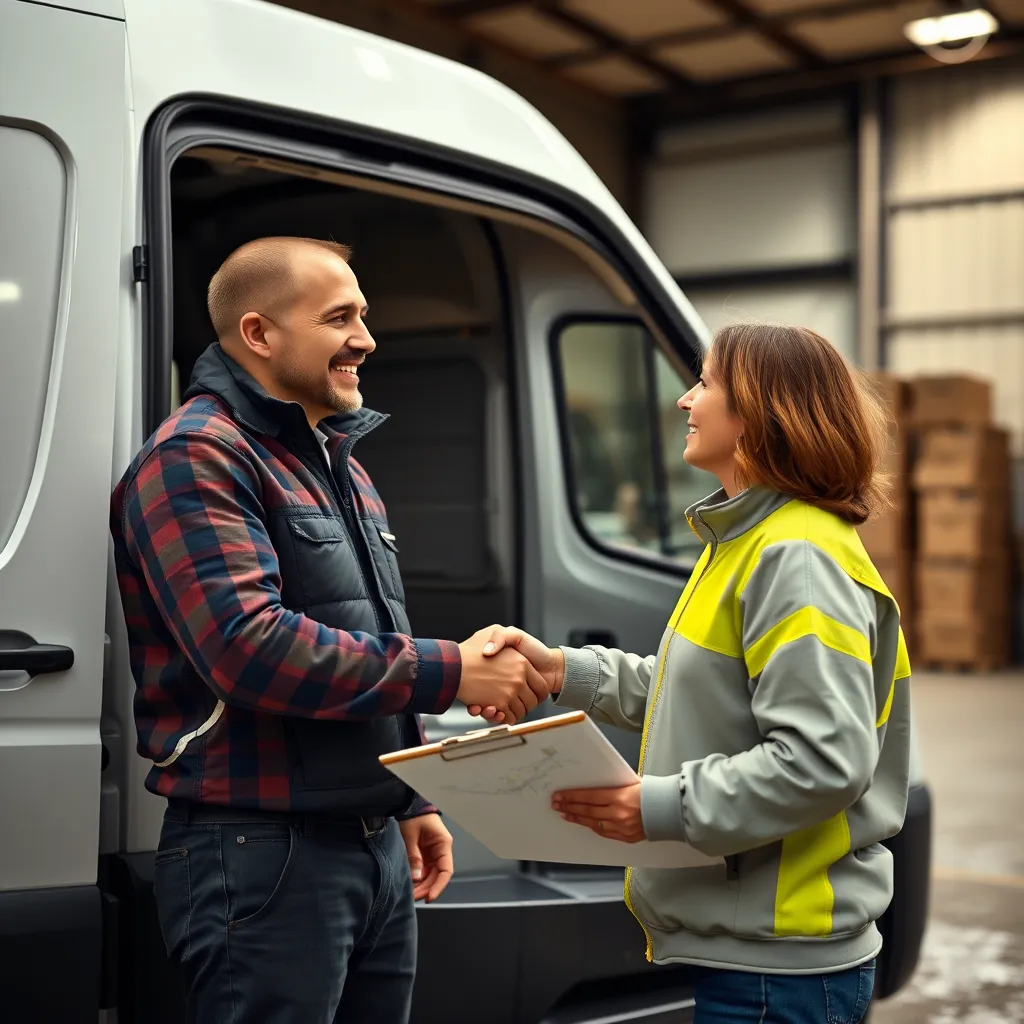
[(497, 784)]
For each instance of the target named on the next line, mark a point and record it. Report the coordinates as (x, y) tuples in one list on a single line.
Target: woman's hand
[(612, 813), (548, 661)]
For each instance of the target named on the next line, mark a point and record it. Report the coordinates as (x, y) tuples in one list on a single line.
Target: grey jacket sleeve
[(809, 636), (611, 686)]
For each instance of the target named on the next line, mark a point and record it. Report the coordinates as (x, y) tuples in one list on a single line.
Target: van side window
[(32, 206), (625, 439)]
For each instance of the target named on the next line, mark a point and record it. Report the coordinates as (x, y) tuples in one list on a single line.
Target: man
[(271, 653)]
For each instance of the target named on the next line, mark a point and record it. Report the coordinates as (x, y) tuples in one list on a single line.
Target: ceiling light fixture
[(969, 27)]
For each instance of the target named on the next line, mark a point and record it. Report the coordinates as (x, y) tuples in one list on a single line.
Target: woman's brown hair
[(813, 426)]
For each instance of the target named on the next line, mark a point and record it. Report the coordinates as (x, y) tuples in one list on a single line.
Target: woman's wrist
[(558, 672)]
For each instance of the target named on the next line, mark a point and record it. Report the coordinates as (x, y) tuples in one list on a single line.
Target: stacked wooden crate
[(964, 565), (888, 538)]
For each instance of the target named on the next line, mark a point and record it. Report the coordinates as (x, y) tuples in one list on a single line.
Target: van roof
[(270, 54), (267, 54)]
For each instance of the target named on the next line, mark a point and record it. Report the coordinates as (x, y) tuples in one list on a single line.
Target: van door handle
[(35, 659), (585, 637)]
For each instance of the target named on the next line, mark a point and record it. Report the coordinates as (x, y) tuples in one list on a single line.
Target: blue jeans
[(736, 997), (287, 920)]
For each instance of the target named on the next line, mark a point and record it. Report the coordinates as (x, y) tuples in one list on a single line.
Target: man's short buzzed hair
[(259, 277)]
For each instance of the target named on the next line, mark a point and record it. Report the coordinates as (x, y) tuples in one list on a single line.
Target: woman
[(775, 716)]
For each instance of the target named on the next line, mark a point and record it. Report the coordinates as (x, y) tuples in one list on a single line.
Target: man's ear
[(252, 329)]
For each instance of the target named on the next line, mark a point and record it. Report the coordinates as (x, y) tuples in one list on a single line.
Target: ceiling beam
[(608, 42), (605, 42), (745, 17), (721, 31), (466, 8), (648, 113)]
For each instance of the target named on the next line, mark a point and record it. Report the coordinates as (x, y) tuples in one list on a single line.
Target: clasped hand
[(507, 673)]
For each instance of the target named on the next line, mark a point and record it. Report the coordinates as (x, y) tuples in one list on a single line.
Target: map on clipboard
[(497, 784)]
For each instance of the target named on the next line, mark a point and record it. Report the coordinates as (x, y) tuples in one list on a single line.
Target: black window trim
[(639, 557), (370, 153)]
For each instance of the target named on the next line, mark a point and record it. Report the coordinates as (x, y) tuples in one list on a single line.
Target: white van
[(530, 348)]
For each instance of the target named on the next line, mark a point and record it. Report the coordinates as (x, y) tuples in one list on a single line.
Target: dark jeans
[(287, 921), (735, 997)]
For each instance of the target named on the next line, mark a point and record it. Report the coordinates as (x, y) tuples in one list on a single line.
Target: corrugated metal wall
[(727, 200), (954, 230)]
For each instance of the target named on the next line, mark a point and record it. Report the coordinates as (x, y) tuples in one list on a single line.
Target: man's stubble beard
[(341, 402), (319, 390)]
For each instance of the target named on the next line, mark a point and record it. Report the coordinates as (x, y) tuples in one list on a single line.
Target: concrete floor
[(971, 738)]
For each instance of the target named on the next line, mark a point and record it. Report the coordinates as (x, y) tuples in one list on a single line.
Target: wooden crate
[(955, 591), (893, 393), (963, 524), (954, 399), (979, 643), (974, 457)]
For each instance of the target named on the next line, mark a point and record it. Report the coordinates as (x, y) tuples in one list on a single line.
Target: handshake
[(506, 673)]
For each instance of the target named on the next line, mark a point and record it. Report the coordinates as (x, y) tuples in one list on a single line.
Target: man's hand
[(509, 683), (613, 813), (429, 845), (548, 661)]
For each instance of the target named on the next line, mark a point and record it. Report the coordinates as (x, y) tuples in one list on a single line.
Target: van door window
[(625, 439), (32, 214)]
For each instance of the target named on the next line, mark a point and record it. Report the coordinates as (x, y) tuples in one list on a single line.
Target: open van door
[(62, 121), (608, 546)]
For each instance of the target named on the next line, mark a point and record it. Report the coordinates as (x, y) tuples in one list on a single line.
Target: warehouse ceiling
[(693, 48)]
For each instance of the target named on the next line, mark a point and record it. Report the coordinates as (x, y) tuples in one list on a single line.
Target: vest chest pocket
[(385, 554), (322, 566)]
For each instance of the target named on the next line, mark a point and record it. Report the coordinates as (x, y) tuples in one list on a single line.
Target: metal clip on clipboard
[(482, 741)]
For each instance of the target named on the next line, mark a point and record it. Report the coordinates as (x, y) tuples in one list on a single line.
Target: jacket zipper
[(356, 523), (627, 893), (341, 495)]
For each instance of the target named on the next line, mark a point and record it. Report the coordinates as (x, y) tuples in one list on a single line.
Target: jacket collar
[(718, 518), (216, 373)]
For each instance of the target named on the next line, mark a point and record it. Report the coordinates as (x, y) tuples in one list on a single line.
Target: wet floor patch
[(972, 965)]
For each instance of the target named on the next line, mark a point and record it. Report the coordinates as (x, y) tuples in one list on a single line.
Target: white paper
[(502, 797)]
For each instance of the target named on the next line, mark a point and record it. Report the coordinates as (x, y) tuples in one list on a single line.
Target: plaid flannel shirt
[(216, 656)]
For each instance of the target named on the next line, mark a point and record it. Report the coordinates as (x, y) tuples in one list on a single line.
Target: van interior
[(440, 370)]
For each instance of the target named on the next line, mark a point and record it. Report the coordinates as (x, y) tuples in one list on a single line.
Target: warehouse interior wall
[(953, 230), (755, 216)]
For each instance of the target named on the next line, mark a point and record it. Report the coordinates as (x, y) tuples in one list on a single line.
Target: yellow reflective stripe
[(884, 716), (807, 621), (691, 583), (796, 521), (902, 659), (710, 623), (902, 671), (803, 896)]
